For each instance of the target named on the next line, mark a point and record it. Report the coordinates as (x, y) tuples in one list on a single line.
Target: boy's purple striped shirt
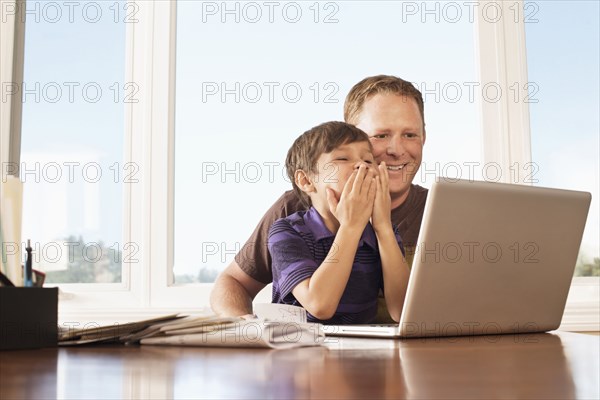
[(298, 245)]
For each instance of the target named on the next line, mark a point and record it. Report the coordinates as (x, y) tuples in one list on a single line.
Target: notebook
[(491, 258)]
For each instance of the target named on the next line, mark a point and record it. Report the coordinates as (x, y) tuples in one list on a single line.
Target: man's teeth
[(395, 167)]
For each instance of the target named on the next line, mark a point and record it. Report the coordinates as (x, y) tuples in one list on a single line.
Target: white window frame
[(148, 285), (506, 133), (12, 36)]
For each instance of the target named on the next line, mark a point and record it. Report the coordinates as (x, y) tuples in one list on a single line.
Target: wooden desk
[(559, 365)]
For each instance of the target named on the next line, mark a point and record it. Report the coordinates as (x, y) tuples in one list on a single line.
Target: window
[(563, 44), (277, 70), (72, 139)]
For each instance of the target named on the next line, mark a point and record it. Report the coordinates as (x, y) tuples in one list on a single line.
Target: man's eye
[(380, 136), (369, 162), (410, 135)]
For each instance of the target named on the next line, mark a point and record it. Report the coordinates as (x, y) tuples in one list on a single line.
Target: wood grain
[(556, 365)]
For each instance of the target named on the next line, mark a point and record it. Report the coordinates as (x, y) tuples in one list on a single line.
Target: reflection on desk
[(555, 365)]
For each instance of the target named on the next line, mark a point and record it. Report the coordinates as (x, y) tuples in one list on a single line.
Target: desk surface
[(555, 365)]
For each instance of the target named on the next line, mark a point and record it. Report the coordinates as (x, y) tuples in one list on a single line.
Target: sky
[(563, 61), (252, 78), (73, 125), (214, 209)]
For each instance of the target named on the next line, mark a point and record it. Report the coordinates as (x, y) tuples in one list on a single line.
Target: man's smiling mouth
[(396, 167)]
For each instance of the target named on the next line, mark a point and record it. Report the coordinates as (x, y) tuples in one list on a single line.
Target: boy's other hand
[(382, 208), (355, 206)]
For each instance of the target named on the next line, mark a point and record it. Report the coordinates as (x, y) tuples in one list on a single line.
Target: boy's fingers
[(372, 182), (366, 185), (372, 176), (360, 179), (349, 183), (371, 194), (385, 178), (373, 189), (383, 170), (368, 180), (378, 186)]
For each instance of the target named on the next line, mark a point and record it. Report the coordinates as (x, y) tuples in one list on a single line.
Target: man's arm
[(234, 291), (238, 284)]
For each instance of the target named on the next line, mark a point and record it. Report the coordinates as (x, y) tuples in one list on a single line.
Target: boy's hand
[(382, 208), (355, 206)]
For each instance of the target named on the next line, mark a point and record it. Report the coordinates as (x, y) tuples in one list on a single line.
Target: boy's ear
[(303, 181)]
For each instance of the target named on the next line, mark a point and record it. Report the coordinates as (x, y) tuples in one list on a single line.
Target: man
[(391, 111)]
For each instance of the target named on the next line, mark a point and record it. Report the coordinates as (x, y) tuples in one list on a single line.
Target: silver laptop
[(491, 258)]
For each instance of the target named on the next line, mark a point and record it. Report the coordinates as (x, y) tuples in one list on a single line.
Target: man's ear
[(303, 181)]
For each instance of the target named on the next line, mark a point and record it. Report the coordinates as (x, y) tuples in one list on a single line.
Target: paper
[(252, 333), (113, 333), (279, 326), (288, 331), (280, 312), (192, 322)]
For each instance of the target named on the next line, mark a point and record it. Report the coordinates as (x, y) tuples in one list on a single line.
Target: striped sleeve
[(292, 260)]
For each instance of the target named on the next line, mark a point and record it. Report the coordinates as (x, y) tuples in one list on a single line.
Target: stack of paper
[(117, 333), (280, 326), (239, 333)]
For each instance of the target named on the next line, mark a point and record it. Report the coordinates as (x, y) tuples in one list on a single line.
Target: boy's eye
[(341, 159), (369, 162)]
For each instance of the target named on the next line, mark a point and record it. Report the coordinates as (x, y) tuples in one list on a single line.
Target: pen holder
[(28, 317)]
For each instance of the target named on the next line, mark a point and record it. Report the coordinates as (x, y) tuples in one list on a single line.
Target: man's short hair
[(373, 85), (309, 146)]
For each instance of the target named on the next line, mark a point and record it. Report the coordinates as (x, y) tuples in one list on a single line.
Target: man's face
[(396, 130)]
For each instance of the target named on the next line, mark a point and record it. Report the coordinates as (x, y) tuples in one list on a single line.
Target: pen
[(28, 266)]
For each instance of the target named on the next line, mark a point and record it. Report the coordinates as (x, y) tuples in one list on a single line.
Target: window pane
[(253, 77), (563, 61), (72, 139)]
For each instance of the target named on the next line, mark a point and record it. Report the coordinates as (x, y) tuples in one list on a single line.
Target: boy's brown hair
[(309, 146), (373, 85)]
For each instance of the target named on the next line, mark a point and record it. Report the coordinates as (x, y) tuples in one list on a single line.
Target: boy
[(330, 259)]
